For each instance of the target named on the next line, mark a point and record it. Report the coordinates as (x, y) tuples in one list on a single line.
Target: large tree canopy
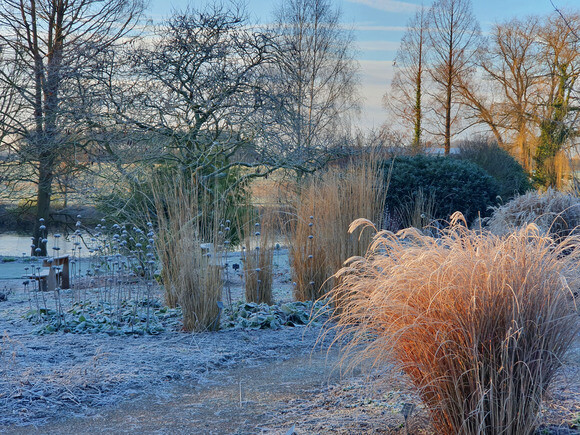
[(51, 50)]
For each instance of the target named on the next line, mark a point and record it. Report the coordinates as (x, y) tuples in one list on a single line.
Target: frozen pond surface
[(13, 270), (17, 245), (13, 246)]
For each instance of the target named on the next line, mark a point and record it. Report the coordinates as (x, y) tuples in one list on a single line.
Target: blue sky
[(378, 26)]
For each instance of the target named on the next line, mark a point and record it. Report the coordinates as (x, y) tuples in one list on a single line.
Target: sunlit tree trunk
[(405, 98), (454, 37)]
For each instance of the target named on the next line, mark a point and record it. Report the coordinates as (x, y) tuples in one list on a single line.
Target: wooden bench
[(54, 270)]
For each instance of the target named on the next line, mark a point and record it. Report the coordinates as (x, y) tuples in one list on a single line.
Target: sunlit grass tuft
[(478, 322)]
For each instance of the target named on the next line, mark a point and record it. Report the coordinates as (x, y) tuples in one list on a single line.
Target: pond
[(18, 245)]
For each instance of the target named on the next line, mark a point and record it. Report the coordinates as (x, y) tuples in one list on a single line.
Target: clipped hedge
[(456, 185)]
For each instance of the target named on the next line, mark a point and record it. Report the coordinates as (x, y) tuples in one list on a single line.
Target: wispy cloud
[(369, 28), (377, 73), (388, 5)]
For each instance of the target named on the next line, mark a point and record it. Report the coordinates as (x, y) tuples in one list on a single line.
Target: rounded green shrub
[(498, 163), (454, 185)]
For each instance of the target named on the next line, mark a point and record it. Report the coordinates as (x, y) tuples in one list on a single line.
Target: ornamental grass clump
[(419, 211), (188, 232), (478, 322), (307, 257), (258, 258), (319, 241), (552, 211)]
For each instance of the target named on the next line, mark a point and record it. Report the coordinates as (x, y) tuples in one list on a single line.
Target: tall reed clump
[(552, 211), (258, 257), (326, 206), (478, 322), (191, 271), (307, 256)]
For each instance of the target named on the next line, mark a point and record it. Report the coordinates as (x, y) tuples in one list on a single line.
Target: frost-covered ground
[(52, 376), (232, 381)]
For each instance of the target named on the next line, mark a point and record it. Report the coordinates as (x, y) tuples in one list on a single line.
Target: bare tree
[(405, 98), (47, 46), (509, 61), (559, 108), (196, 85), (192, 91), (453, 40), (186, 96), (313, 81), (531, 107)]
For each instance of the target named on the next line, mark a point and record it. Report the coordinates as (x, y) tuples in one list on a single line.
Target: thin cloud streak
[(375, 77), (388, 5), (368, 28)]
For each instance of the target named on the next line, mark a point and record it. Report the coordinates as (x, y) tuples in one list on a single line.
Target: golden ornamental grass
[(418, 211), (478, 322), (258, 258), (320, 242), (191, 275), (307, 256)]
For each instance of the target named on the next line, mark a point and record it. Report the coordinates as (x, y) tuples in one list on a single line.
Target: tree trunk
[(448, 120), (45, 176), (449, 86), (418, 95), (418, 115), (524, 151)]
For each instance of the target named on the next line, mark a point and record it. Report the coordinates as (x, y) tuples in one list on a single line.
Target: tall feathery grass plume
[(188, 232), (258, 238), (478, 322), (327, 204)]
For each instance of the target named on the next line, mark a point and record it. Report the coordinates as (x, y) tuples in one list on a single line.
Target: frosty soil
[(232, 381), (47, 377), (56, 375)]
